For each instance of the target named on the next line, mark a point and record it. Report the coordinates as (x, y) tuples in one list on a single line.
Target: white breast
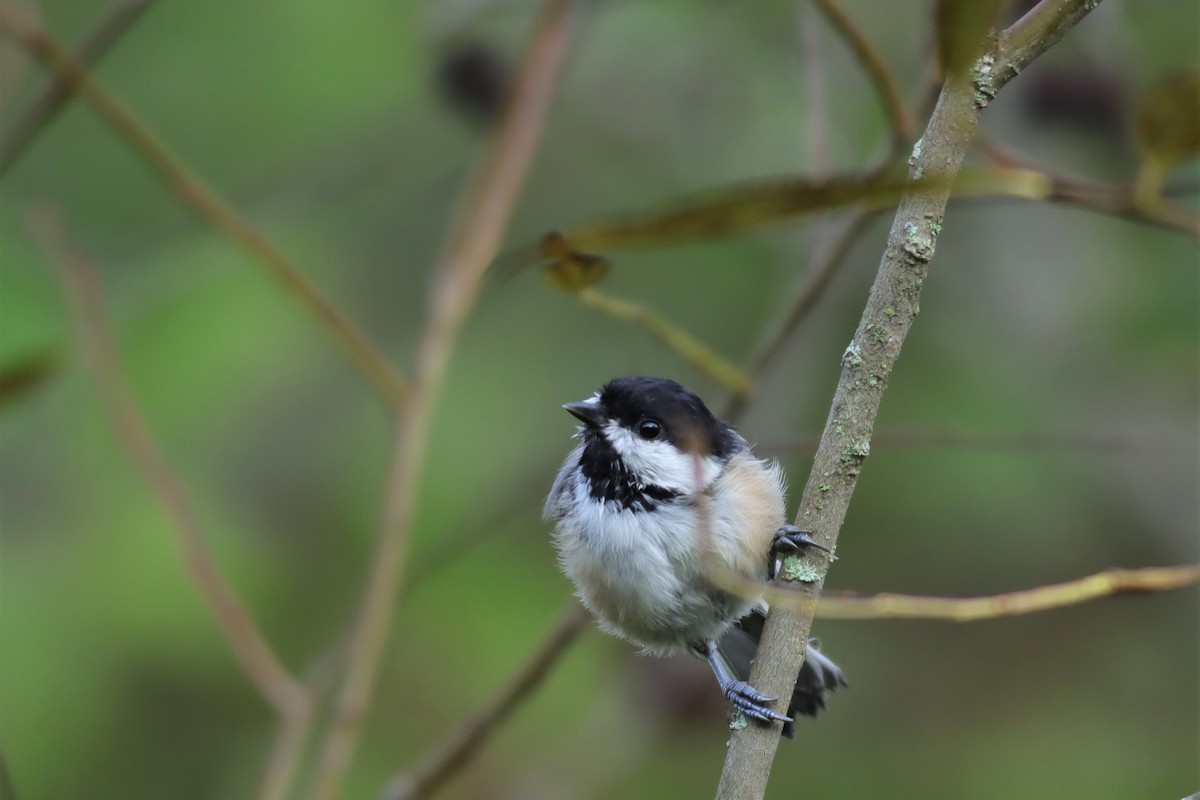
[(642, 572)]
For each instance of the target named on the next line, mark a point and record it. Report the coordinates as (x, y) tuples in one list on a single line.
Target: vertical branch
[(26, 127), (193, 193), (285, 755), (474, 239), (259, 661), (814, 64), (868, 362)]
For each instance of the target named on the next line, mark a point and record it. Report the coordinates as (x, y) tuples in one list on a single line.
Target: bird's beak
[(588, 412)]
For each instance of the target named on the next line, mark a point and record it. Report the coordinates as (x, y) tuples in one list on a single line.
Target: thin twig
[(825, 266), (192, 191), (815, 66), (1091, 195), (259, 661), (43, 108), (1010, 604), (902, 124), (474, 239), (457, 751), (682, 343), (817, 279), (286, 752), (869, 360)]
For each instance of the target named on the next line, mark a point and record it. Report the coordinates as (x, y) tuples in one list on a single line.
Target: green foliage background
[(323, 124)]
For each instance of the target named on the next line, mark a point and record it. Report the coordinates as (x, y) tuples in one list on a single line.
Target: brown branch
[(902, 124), (258, 660), (1108, 583), (474, 239), (454, 754), (680, 342), (817, 279), (821, 273), (286, 752), (43, 108), (870, 358), (814, 64), (192, 191), (1091, 195)]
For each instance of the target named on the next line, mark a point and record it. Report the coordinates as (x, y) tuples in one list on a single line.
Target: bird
[(659, 499)]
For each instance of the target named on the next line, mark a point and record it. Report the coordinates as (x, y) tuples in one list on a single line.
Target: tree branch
[(1010, 604), (880, 73), (1092, 195), (453, 755), (681, 343), (868, 362), (817, 279), (286, 752), (258, 660), (475, 237), (192, 191), (33, 120)]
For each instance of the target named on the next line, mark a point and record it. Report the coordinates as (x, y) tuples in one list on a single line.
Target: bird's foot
[(751, 702), (790, 540)]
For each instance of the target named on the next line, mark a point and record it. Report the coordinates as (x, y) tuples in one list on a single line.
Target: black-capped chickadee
[(659, 498)]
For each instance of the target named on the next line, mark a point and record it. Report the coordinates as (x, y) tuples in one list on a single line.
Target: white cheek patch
[(660, 463)]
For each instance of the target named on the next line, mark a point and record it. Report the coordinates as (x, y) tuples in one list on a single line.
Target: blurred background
[(1056, 345)]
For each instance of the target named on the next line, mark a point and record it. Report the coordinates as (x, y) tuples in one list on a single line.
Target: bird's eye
[(649, 429)]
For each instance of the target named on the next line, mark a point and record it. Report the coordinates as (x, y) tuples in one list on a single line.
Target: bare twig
[(453, 755), (286, 752), (33, 120), (902, 124), (831, 258), (474, 239), (1010, 604), (1091, 195), (870, 358), (683, 344), (817, 279), (259, 661), (815, 64), (192, 191)]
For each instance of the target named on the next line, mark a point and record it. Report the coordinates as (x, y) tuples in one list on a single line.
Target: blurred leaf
[(19, 378), (728, 210), (716, 213), (577, 271), (1168, 131), (568, 269), (962, 30), (731, 210), (1168, 121)]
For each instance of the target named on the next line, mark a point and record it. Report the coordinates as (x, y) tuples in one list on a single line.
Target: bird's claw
[(789, 540), (751, 702)]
